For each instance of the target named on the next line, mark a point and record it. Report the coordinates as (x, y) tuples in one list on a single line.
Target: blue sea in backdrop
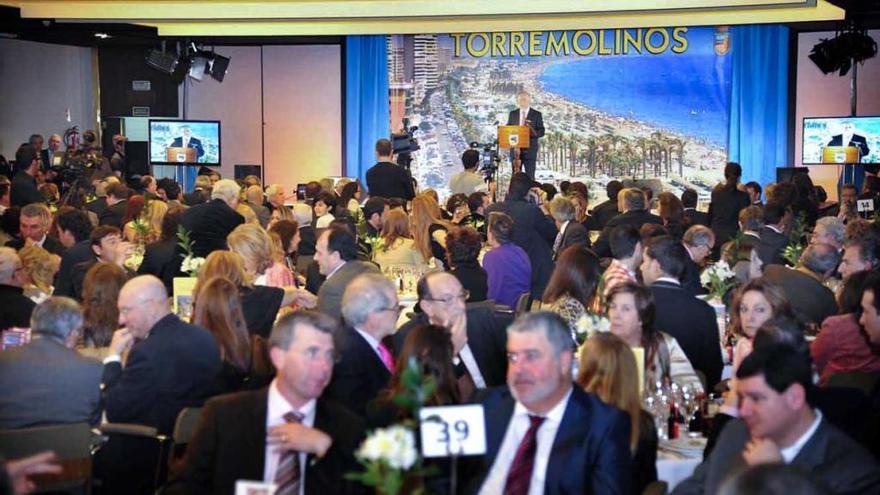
[(688, 93)]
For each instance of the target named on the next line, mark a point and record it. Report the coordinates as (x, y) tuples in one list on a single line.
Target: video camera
[(489, 158), (404, 143)]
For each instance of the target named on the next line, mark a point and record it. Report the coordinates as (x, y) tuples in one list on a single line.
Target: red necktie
[(387, 358), (288, 476), (520, 475)]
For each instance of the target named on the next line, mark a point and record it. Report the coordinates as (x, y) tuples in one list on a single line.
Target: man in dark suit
[(804, 286), (477, 329), (187, 141), (387, 179), (849, 137), (289, 434), (23, 190), (107, 246), (773, 239), (634, 213), (544, 435), (779, 423), (678, 312), (698, 240), (607, 210), (571, 232), (52, 153), (47, 381), (370, 309), (34, 224), (209, 223), (16, 308), (336, 256), (754, 189), (533, 230), (531, 118), (201, 192), (117, 201), (726, 202), (74, 229), (689, 200)]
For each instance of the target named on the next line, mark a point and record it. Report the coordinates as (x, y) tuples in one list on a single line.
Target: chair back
[(523, 303), (859, 380), (656, 488), (71, 443), (186, 423)]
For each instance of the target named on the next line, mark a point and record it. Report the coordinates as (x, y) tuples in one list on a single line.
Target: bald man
[(171, 364)]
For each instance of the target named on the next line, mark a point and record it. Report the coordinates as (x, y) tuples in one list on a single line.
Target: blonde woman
[(398, 250), (248, 213), (40, 267), (151, 216), (261, 259), (608, 369), (428, 229)]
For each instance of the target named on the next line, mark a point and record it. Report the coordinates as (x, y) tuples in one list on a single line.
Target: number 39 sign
[(449, 430)]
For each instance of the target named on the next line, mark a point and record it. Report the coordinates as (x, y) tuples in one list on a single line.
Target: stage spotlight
[(162, 61), (183, 65), (218, 67), (199, 67), (839, 53)]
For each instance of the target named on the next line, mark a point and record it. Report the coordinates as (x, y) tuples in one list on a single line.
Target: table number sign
[(448, 430)]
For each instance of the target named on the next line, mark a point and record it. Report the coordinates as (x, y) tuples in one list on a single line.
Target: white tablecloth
[(674, 466)]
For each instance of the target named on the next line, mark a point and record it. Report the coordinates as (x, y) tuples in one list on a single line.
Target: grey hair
[(820, 258), (633, 199), (834, 227), (284, 330), (57, 317), (225, 189), (551, 324), (699, 235), (9, 263), (366, 294), (302, 213), (274, 189), (562, 209)]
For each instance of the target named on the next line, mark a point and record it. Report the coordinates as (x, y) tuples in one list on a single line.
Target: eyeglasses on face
[(462, 296)]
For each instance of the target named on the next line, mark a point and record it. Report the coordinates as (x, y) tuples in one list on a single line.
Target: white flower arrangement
[(192, 265), (395, 446), (718, 279), (134, 260), (589, 324)]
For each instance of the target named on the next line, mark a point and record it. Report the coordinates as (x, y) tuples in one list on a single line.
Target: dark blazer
[(176, 366), (51, 244), (856, 140), (308, 239), (575, 235), (196, 197), (602, 214), (46, 383), (770, 246), (78, 253), (487, 338), (590, 454), (16, 308), (78, 277), (330, 293), (535, 232), (811, 301), (390, 180), (23, 190), (230, 445), (692, 322), (474, 279), (160, 259), (602, 248), (358, 376), (97, 206), (690, 280), (696, 217), (724, 212), (829, 455), (537, 121), (193, 143), (209, 224), (113, 215)]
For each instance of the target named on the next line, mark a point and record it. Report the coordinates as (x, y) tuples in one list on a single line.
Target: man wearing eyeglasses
[(370, 310), (288, 434), (477, 329)]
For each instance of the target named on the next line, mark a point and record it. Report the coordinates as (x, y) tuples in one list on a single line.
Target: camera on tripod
[(404, 143), (489, 158)]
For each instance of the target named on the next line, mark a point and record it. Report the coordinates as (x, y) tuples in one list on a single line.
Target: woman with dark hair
[(753, 304), (671, 211), (508, 269), (458, 208), (631, 312), (101, 288), (429, 230), (463, 246), (217, 308), (571, 291), (805, 201), (842, 345), (287, 232), (727, 201), (133, 209), (608, 369), (325, 207), (349, 198)]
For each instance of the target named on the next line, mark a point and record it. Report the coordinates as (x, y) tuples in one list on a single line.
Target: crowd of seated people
[(295, 334)]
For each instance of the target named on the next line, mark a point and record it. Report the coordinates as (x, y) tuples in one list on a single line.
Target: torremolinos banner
[(617, 104)]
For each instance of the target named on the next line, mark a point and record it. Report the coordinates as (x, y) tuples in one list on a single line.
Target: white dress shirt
[(277, 408), (516, 430), (790, 452), (523, 115), (470, 362)]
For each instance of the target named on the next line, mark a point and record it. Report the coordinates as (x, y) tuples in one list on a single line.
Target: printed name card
[(865, 205), (244, 487), (448, 430)]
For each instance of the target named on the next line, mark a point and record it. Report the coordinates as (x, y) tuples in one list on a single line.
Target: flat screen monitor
[(185, 142), (824, 136)]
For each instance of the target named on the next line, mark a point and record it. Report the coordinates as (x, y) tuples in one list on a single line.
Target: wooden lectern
[(840, 154), (513, 136), (180, 155)]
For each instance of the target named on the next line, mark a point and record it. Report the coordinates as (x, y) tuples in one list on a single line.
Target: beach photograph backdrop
[(650, 104)]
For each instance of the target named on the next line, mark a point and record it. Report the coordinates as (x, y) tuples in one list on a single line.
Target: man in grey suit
[(779, 423), (46, 381), (336, 255)]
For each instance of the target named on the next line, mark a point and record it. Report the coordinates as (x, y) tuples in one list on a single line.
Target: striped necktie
[(288, 476)]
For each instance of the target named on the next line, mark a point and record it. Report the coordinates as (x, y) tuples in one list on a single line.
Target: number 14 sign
[(452, 430)]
